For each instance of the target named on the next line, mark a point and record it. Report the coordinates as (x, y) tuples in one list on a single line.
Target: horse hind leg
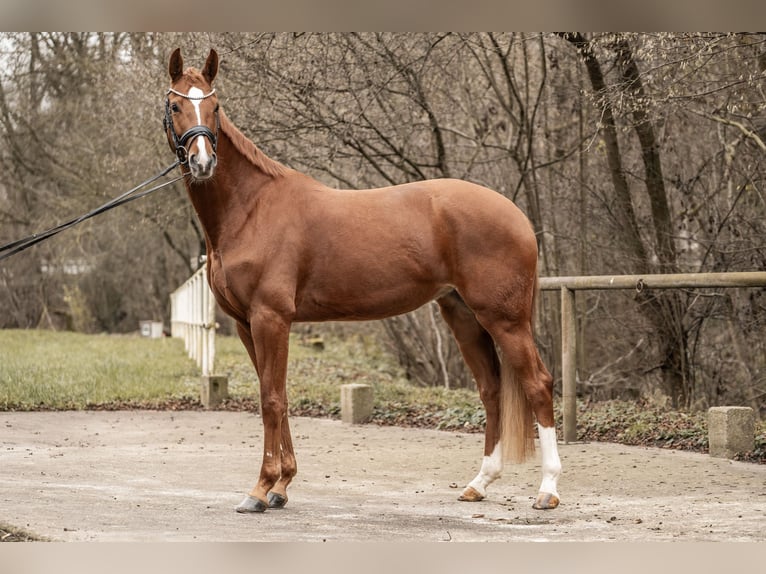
[(548, 497), (527, 389), (478, 351)]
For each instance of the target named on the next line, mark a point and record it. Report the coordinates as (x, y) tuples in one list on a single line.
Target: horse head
[(191, 109)]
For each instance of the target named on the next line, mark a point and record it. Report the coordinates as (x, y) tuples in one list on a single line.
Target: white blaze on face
[(195, 97)]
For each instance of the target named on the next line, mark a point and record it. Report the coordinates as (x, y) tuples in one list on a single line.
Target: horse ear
[(211, 66), (176, 67)]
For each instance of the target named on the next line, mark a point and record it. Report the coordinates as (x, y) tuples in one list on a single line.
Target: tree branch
[(748, 133)]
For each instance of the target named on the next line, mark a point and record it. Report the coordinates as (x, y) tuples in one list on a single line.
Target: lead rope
[(25, 243)]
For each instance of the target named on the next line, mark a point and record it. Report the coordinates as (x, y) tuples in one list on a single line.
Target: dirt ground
[(166, 476)]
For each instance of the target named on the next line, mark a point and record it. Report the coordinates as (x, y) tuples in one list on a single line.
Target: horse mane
[(249, 150)]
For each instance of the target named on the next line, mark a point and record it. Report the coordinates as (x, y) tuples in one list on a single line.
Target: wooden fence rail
[(569, 285)]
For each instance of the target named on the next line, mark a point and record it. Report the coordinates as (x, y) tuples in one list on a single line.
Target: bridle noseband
[(180, 142)]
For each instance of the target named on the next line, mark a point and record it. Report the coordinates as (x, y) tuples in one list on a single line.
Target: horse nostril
[(193, 158)]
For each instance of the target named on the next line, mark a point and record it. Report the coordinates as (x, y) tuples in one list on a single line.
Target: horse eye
[(216, 108), (174, 108)]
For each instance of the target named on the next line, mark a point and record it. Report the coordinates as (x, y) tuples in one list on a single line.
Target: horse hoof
[(277, 500), (470, 494), (250, 505), (546, 501)]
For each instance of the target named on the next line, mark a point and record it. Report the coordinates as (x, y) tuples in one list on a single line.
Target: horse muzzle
[(202, 166)]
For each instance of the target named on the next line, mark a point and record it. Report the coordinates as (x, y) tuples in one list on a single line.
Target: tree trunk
[(668, 308), (624, 214), (665, 310)]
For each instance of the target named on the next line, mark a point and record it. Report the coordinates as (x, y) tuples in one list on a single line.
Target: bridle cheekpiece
[(180, 142)]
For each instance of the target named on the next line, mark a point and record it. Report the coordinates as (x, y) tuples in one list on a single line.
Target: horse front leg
[(278, 494), (270, 337)]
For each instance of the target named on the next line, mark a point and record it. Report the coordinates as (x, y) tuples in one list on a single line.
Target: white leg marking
[(551, 463), (491, 469)]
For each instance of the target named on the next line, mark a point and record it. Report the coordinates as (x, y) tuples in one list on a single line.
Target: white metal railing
[(192, 318)]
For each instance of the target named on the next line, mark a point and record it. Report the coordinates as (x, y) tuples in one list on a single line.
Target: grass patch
[(61, 370), (46, 370), (640, 423), (315, 378)]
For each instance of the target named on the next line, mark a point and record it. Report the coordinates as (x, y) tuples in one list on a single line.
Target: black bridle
[(179, 143)]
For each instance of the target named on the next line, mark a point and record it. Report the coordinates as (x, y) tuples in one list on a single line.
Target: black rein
[(21, 244)]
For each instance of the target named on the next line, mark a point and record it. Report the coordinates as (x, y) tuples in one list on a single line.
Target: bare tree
[(77, 133), (630, 153)]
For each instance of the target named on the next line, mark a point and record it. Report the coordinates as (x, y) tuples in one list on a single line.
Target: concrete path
[(161, 476)]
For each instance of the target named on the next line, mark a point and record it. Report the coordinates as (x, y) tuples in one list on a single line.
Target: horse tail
[(517, 431)]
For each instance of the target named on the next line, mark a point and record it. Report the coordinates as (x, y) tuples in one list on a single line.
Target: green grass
[(315, 378), (61, 370)]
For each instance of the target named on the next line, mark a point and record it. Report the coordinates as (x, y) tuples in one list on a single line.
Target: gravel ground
[(167, 476)]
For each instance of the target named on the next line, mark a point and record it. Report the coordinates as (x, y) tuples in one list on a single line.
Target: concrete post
[(355, 403), (731, 430), (213, 390)]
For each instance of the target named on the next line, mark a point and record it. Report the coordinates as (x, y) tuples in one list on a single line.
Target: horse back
[(373, 253)]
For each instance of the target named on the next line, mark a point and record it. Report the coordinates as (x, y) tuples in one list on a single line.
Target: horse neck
[(224, 202)]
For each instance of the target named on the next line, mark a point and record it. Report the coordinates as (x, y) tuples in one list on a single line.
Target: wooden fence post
[(569, 363)]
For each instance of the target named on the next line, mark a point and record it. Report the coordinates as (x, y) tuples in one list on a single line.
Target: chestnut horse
[(283, 247)]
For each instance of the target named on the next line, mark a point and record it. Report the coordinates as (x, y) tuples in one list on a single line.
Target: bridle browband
[(179, 143)]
